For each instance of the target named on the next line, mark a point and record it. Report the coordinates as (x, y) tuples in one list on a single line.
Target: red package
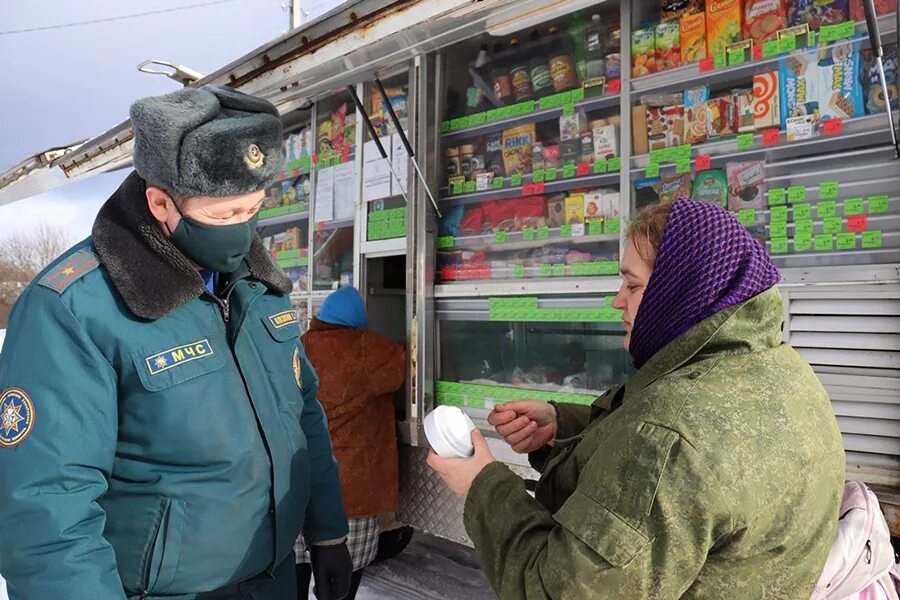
[(530, 212), (473, 221), (882, 7), (551, 156), (763, 19)]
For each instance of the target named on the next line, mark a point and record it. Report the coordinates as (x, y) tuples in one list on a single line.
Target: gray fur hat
[(207, 141)]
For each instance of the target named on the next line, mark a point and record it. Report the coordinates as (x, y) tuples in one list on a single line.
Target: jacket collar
[(751, 326), (149, 272)]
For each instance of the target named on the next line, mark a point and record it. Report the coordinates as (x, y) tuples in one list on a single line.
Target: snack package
[(593, 207), (723, 25), (656, 129), (746, 185), (571, 126), (517, 149), (473, 222), (744, 102), (323, 138), (537, 156), (587, 146), (692, 33), (575, 209), (674, 116), (337, 127), (556, 210), (643, 52), (645, 192), (493, 154), (763, 19), (722, 117), (671, 189), (570, 151), (450, 223), (674, 9), (801, 128), (875, 101), (818, 12), (640, 143), (711, 186), (766, 101), (882, 7), (668, 45), (605, 142), (552, 156), (696, 115), (610, 205)]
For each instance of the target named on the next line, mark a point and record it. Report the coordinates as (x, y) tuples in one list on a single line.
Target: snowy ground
[(429, 569)]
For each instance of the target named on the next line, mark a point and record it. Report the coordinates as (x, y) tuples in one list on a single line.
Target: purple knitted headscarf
[(707, 261)]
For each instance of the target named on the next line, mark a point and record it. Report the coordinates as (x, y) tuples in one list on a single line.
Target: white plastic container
[(449, 431)]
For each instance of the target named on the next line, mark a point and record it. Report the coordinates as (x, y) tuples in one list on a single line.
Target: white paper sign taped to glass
[(376, 171), (400, 160), (324, 195), (344, 191)]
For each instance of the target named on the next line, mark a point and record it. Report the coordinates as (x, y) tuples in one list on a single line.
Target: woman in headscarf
[(359, 371), (716, 471)]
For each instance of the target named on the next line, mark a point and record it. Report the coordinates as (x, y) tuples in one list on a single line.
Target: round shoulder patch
[(16, 417), (298, 368)]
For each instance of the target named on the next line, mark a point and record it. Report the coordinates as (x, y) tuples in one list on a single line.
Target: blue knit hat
[(344, 307)]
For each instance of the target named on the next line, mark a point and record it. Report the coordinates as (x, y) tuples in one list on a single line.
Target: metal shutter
[(852, 341)]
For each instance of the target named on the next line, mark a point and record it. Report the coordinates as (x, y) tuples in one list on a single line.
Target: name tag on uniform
[(175, 357), (283, 319)]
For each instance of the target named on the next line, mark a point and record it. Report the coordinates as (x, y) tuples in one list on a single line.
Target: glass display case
[(492, 350), (530, 142)]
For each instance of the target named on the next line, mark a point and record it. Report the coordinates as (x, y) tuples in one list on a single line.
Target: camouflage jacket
[(715, 472)]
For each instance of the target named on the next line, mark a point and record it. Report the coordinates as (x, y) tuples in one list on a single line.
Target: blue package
[(450, 223)]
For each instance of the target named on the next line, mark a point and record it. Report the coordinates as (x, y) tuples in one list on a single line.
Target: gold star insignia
[(161, 362), (254, 157), (68, 271)]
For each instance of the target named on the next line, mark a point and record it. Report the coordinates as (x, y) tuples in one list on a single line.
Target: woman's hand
[(459, 473), (526, 425)]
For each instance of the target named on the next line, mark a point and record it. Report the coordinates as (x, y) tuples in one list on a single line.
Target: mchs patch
[(175, 357), (16, 417)]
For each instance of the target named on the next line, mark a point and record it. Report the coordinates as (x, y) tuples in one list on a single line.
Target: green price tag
[(878, 204), (824, 242), (516, 179), (827, 209), (470, 187), (550, 174), (456, 188), (828, 189), (797, 193), (653, 170), (657, 156), (569, 171), (683, 165), (846, 241), (565, 231), (770, 49), (777, 196), (500, 237), (804, 227), (745, 141), (747, 216), (497, 182), (777, 230), (559, 270), (841, 31), (802, 212), (578, 271), (528, 234), (546, 270), (543, 232), (779, 214), (599, 166), (720, 61), (871, 239), (668, 155), (538, 175), (854, 206), (614, 164), (612, 226), (779, 245), (445, 242), (684, 151), (595, 228), (833, 225), (518, 271), (802, 243), (787, 44), (445, 126), (736, 57), (568, 109)]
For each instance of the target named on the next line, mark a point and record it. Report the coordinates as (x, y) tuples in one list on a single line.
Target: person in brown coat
[(359, 371)]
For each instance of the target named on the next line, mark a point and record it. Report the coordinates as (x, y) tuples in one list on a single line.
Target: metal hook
[(179, 73)]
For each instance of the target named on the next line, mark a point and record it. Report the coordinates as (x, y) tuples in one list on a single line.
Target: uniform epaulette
[(69, 270)]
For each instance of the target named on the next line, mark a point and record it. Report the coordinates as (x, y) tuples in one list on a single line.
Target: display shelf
[(267, 220), (536, 116), (293, 173), (549, 187), (515, 240), (687, 76), (380, 248), (335, 224), (543, 271), (870, 130), (487, 396)]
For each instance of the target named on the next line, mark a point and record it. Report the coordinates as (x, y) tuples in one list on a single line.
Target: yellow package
[(723, 25), (517, 143), (575, 209), (693, 37)]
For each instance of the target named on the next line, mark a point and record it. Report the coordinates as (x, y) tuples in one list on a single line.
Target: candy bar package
[(822, 83), (645, 193), (671, 189), (696, 115), (673, 9), (723, 25), (723, 119), (746, 185), (656, 128), (711, 186), (517, 149), (882, 7), (668, 45), (674, 116), (643, 52), (692, 31), (766, 100), (763, 19), (744, 102), (818, 12), (875, 101)]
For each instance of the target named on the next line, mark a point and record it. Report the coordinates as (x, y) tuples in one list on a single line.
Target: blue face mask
[(220, 248)]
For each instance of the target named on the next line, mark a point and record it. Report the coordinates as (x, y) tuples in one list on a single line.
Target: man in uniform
[(160, 435)]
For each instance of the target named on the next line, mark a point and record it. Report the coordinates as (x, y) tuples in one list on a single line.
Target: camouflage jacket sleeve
[(639, 524)]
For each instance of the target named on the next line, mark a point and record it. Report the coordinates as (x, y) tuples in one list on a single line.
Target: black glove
[(333, 570)]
